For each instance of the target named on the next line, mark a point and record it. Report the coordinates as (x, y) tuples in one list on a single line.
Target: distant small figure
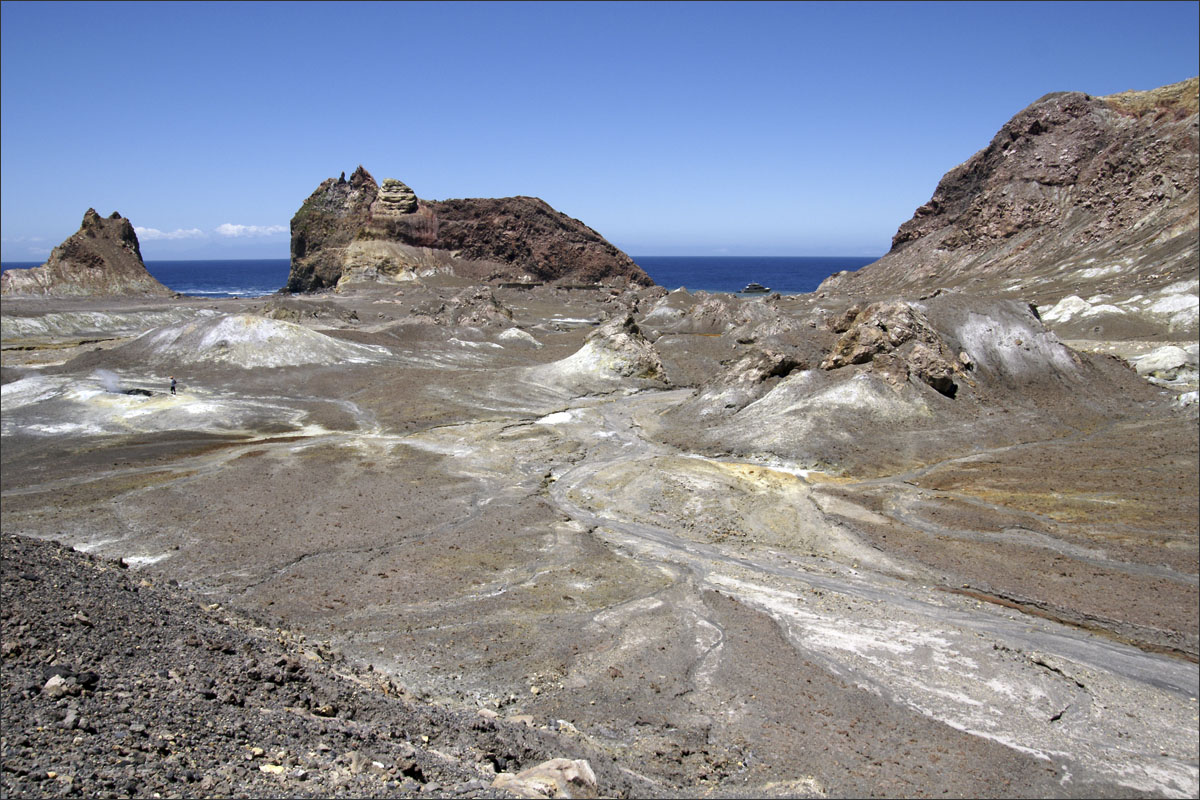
[(172, 384)]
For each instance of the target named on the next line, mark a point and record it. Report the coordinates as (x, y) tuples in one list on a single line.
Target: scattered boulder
[(558, 777)]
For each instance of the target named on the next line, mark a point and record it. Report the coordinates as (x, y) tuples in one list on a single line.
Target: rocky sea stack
[(1074, 195), (102, 259), (356, 229)]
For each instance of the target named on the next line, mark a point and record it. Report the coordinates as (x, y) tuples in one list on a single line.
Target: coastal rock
[(1074, 194), (323, 227), (102, 258), (359, 229)]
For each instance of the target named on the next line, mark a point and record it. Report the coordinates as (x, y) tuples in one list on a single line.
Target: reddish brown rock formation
[(358, 224), (102, 258)]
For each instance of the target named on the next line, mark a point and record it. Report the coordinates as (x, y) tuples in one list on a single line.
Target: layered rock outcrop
[(102, 258), (358, 229), (1075, 195)]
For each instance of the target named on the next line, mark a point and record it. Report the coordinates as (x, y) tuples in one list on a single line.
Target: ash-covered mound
[(908, 382), (615, 355), (1075, 195), (244, 340), (355, 229), (101, 259)]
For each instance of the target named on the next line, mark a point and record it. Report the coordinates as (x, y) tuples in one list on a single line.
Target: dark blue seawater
[(785, 274)]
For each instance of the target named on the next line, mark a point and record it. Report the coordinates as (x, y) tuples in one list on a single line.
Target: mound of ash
[(615, 355), (101, 259), (1075, 195), (356, 229), (920, 381), (115, 686), (241, 340)]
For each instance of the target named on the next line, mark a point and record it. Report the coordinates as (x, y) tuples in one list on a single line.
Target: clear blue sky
[(671, 128)]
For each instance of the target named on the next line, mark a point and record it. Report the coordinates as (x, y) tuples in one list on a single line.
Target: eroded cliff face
[(359, 229), (1074, 195), (102, 258)]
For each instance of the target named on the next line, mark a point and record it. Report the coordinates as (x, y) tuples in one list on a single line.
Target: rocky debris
[(752, 376), (358, 228), (558, 777), (288, 309), (1073, 191), (898, 339), (473, 307), (913, 378), (114, 685), (478, 306), (102, 258)]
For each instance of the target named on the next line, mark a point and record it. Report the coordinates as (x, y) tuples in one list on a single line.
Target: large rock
[(101, 259), (360, 230), (1076, 195), (558, 777)]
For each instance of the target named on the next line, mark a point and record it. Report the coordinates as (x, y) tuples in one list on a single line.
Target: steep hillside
[(1076, 195)]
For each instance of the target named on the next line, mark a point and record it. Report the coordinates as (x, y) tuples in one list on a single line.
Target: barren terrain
[(703, 576)]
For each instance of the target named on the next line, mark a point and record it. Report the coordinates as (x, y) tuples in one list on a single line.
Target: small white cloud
[(153, 234), (229, 229)]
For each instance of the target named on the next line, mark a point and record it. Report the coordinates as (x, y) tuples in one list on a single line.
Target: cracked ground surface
[(1017, 621)]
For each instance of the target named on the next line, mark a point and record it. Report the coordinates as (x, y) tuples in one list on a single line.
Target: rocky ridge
[(1092, 197), (102, 258), (357, 229)]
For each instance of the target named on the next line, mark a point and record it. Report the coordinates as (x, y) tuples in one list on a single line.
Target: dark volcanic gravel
[(113, 686)]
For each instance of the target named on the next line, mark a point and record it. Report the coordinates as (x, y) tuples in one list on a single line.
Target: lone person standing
[(172, 384)]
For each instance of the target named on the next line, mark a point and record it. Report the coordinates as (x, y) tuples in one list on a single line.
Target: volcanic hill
[(353, 230)]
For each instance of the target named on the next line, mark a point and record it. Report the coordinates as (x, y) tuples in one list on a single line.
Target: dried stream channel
[(521, 530)]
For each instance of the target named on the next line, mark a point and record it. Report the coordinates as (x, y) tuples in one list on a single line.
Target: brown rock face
[(102, 259), (350, 222), (1099, 191)]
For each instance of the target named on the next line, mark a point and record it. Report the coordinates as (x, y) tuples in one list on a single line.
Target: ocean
[(785, 274)]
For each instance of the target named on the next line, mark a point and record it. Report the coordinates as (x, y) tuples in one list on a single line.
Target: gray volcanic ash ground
[(422, 537)]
